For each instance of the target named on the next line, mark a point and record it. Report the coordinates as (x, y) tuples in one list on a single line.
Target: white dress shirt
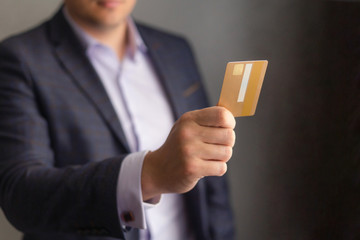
[(146, 118)]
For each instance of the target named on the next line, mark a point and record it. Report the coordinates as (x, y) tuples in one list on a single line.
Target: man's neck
[(115, 38)]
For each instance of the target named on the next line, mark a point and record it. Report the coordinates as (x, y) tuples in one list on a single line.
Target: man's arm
[(36, 196)]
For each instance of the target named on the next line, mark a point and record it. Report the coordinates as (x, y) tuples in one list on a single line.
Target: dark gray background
[(283, 175)]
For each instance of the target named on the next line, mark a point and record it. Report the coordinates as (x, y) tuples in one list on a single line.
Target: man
[(89, 146)]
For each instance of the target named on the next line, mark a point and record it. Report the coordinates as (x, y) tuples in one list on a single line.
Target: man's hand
[(199, 145)]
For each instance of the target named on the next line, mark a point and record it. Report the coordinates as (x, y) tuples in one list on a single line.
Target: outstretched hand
[(199, 145)]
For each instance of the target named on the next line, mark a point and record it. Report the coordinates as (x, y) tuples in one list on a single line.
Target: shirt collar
[(135, 42)]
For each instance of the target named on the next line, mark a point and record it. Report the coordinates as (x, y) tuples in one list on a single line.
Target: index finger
[(214, 117)]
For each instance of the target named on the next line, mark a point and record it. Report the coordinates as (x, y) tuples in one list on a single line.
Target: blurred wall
[(282, 171)]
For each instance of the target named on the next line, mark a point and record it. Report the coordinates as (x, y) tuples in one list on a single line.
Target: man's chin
[(111, 27), (106, 26)]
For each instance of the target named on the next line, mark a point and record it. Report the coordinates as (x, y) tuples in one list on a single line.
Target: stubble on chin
[(104, 25)]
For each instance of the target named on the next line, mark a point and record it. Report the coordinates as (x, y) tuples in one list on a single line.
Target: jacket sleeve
[(35, 195)]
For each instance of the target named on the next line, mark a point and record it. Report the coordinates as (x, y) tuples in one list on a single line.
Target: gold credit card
[(241, 87)]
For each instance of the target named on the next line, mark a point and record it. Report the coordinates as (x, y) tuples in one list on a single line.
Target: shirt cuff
[(130, 205)]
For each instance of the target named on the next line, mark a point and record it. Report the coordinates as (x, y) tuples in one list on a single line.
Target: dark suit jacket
[(61, 143)]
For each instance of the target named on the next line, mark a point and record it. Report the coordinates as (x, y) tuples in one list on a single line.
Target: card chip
[(238, 69)]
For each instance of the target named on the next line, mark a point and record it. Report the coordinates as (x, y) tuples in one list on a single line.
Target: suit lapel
[(163, 65), (72, 56)]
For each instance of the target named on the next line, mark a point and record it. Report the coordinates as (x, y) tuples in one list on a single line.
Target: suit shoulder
[(27, 48), (28, 39), (161, 35)]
